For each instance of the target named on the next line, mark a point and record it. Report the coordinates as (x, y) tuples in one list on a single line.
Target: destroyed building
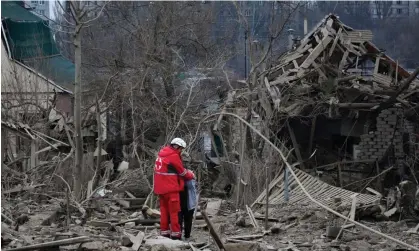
[(341, 105), (37, 92), (347, 109)]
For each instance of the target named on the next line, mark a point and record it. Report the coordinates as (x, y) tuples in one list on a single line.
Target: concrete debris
[(213, 207)]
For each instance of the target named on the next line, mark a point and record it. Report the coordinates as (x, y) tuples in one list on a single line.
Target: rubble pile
[(336, 67), (134, 181), (290, 227), (335, 71)]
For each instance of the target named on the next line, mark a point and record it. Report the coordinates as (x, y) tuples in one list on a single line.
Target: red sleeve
[(181, 170)]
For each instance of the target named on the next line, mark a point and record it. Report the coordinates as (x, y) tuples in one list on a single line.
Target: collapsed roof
[(335, 65)]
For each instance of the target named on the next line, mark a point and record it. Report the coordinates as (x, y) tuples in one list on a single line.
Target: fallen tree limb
[(308, 194), (45, 245)]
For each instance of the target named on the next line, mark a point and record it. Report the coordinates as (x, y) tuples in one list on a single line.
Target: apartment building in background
[(40, 8), (394, 9)]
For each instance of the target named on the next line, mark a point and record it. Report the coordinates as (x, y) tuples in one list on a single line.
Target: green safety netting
[(12, 10), (57, 68), (30, 42), (29, 39)]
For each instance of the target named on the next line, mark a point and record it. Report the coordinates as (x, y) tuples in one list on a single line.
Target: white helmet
[(178, 141)]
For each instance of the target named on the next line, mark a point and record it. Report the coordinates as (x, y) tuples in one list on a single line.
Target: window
[(41, 2), (248, 13), (399, 11), (261, 2), (399, 2), (42, 12), (34, 2)]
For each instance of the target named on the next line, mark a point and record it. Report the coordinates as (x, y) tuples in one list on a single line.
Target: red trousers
[(169, 214)]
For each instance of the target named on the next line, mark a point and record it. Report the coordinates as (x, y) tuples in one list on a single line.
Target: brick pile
[(375, 144)]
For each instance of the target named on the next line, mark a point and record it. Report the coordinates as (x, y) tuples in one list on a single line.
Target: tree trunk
[(77, 106)]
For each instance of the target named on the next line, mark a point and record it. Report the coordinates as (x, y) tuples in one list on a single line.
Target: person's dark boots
[(176, 238)]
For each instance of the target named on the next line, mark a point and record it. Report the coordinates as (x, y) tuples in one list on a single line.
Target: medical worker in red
[(169, 178)]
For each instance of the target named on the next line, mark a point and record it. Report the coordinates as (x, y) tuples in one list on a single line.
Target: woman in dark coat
[(188, 199)]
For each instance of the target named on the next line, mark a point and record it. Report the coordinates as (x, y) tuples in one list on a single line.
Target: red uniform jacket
[(169, 173)]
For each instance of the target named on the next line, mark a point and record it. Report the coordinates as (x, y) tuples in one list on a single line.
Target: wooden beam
[(295, 144), (335, 41), (321, 73), (3, 144), (340, 175), (377, 64), (379, 185), (44, 246), (286, 183), (343, 61), (212, 231), (316, 52), (252, 218), (312, 131), (34, 156)]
